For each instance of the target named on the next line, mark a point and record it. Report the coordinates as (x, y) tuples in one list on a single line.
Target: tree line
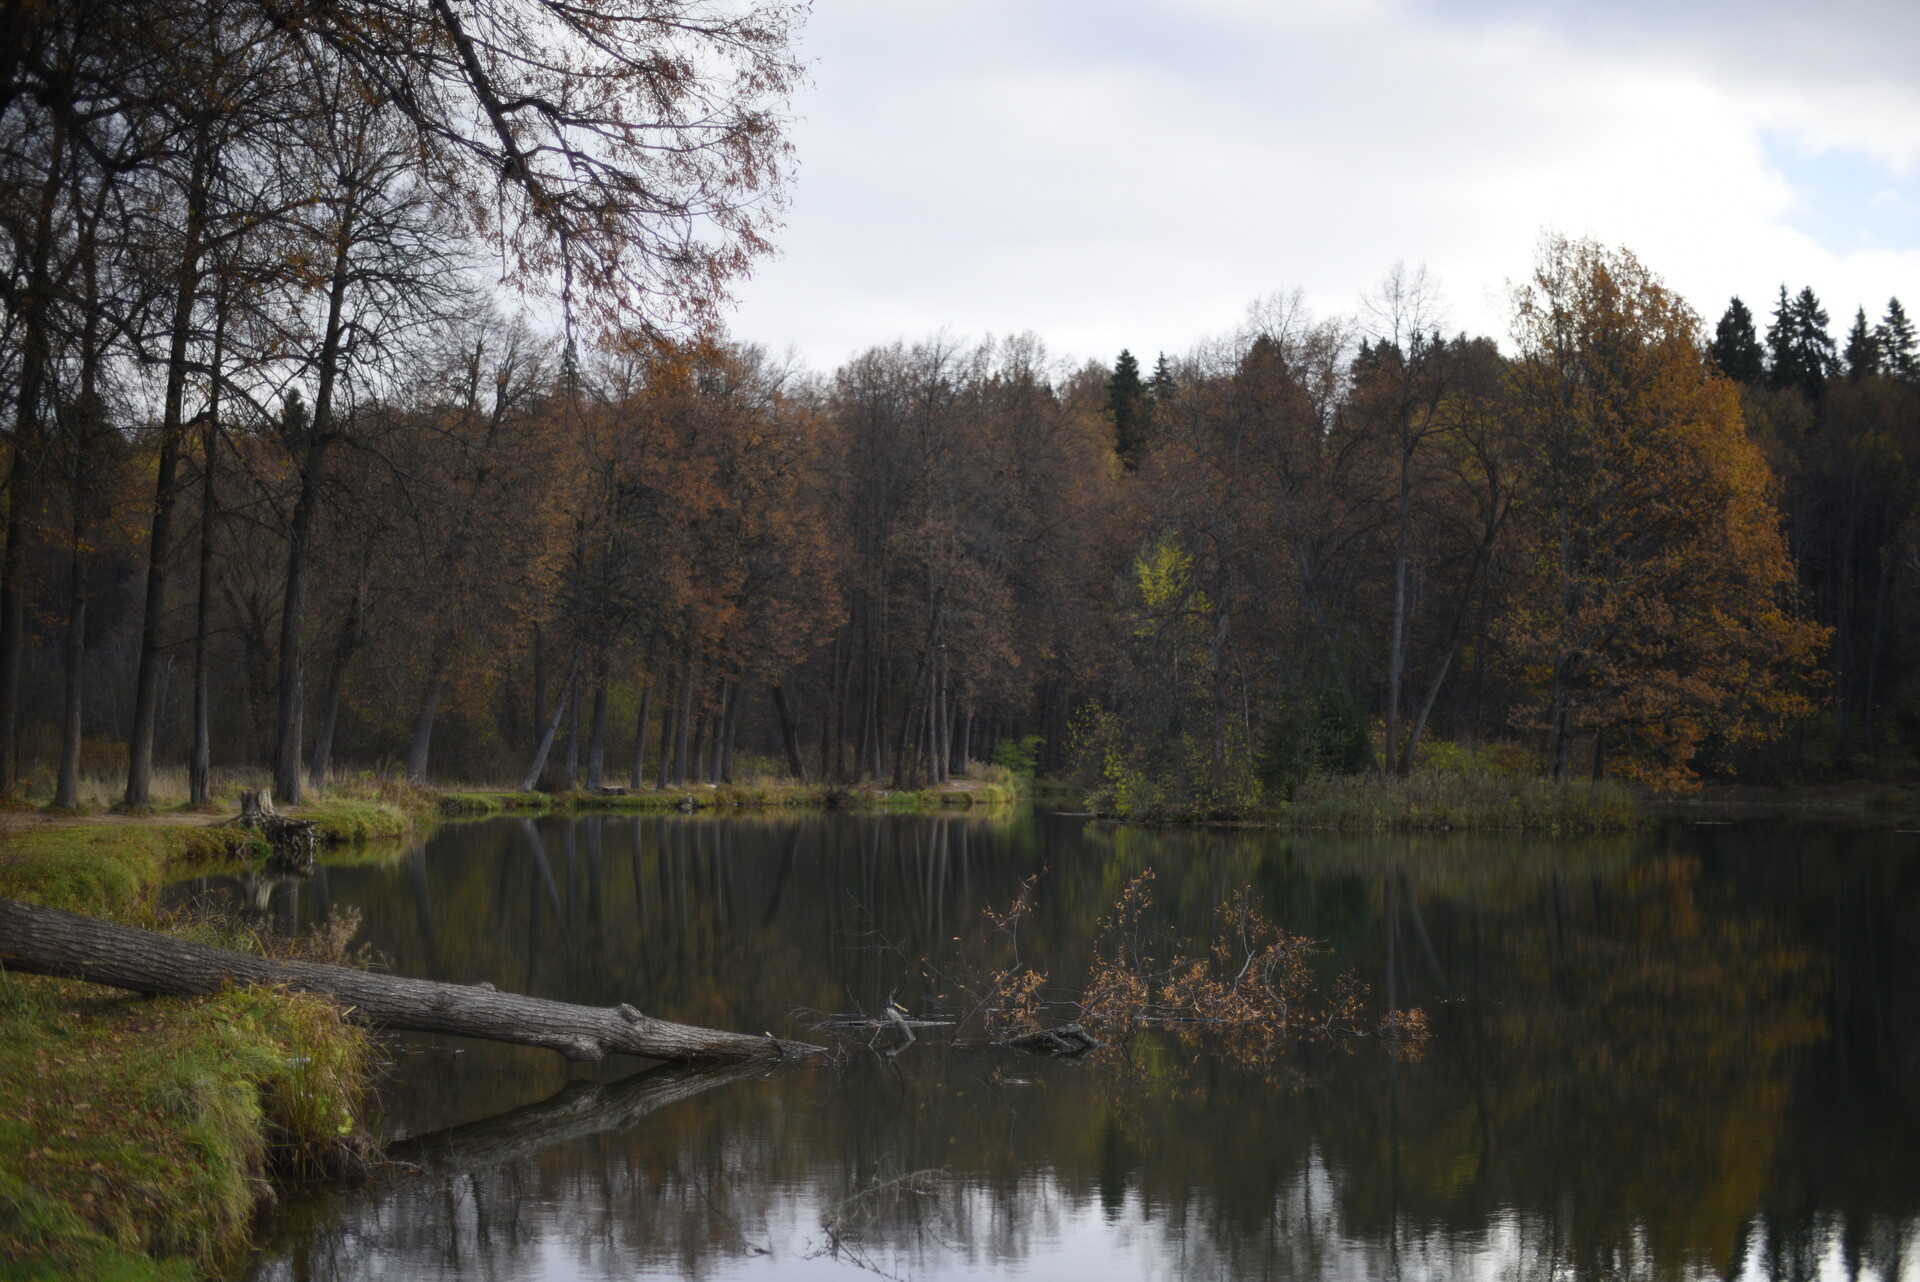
[(291, 480)]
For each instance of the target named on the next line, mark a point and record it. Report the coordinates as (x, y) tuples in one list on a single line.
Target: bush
[(1323, 735), (1021, 756)]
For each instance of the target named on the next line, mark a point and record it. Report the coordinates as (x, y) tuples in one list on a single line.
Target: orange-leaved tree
[(1656, 611)]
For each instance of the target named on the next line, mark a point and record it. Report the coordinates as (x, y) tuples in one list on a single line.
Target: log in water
[(48, 941)]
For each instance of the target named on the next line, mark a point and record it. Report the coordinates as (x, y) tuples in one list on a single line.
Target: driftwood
[(295, 841), (1063, 1040), (47, 941), (1066, 1040)]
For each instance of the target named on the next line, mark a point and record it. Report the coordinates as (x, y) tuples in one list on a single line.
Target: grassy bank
[(136, 1134), (1426, 800), (771, 795), (1434, 800)]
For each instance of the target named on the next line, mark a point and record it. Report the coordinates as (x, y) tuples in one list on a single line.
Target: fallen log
[(1065, 1041), (47, 941)]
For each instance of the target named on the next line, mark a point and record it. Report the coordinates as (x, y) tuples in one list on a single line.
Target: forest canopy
[(366, 402)]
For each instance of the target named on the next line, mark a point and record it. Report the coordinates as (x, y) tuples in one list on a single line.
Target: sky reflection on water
[(1691, 1053)]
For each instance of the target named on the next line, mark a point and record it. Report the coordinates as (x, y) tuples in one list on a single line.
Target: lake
[(1690, 1052)]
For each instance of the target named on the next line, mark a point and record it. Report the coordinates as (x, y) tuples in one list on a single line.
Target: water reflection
[(1688, 1054)]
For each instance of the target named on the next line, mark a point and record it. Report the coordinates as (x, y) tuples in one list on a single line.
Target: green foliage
[(1800, 351), (1128, 407), (1021, 755), (1894, 338), (1736, 347), (1324, 735)]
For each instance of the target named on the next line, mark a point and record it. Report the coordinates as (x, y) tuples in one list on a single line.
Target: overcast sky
[(1134, 173)]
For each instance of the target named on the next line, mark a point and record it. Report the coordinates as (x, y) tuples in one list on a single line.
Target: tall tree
[(1736, 349), (1657, 615), (1128, 407), (1800, 349), (1862, 352), (1895, 338)]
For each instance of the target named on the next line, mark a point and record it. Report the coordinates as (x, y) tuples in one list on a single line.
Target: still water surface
[(1689, 1053)]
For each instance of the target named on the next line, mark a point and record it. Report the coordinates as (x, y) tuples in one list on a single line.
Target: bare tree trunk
[(681, 728), (597, 740), (13, 570), (573, 744), (1426, 708), (832, 710), (200, 772), (47, 941), (539, 765), (733, 725), (420, 747), (789, 733), (669, 714), (306, 510), (539, 677), (636, 778), (697, 764), (28, 443), (353, 631), (66, 794)]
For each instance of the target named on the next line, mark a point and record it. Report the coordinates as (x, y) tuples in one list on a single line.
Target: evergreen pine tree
[(1126, 397), (1896, 343), (1736, 348), (1800, 350), (1163, 384), (1783, 363), (1863, 347)]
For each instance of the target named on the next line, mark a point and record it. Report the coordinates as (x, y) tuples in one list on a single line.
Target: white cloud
[(1134, 174)]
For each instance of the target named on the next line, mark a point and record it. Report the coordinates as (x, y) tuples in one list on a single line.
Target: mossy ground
[(136, 1133)]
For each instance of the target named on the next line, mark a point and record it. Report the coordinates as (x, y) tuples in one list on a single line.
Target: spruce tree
[(1895, 339), (1736, 348), (1800, 351), (1863, 347), (1126, 405), (1783, 365), (1163, 384)]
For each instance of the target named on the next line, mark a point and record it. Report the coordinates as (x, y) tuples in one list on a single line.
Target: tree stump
[(294, 842)]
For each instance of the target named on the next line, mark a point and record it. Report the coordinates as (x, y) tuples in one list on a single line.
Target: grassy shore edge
[(137, 1135)]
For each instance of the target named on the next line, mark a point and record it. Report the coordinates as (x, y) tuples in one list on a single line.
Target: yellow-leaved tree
[(1655, 609)]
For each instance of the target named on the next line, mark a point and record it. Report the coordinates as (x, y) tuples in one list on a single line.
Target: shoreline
[(103, 1171)]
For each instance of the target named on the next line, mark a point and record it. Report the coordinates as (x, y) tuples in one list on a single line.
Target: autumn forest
[(351, 424)]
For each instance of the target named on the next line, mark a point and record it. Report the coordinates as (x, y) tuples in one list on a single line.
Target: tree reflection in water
[(1686, 1054)]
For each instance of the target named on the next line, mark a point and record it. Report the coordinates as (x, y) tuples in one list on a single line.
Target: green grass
[(145, 1127), (113, 870), (749, 795), (136, 1134), (350, 820)]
